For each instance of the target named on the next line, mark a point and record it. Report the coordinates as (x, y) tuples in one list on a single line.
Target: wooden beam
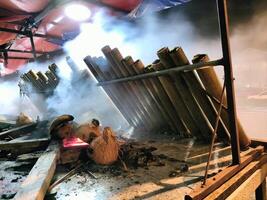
[(36, 184), (259, 142), (249, 186), (233, 184), (24, 144), (15, 132), (200, 191)]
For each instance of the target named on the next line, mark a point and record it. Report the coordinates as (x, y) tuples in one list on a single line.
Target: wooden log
[(200, 191), (124, 91), (195, 113), (184, 120), (17, 131), (23, 145), (149, 88), (213, 86), (37, 182), (234, 183), (208, 109), (111, 91)]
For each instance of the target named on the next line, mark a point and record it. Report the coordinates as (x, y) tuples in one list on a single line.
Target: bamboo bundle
[(111, 90), (195, 114), (196, 89), (143, 92), (213, 86)]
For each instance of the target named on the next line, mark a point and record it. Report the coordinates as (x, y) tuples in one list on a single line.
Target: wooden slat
[(24, 144), (36, 184), (14, 132)]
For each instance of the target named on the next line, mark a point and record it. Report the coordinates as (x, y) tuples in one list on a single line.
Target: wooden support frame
[(36, 184), (200, 192)]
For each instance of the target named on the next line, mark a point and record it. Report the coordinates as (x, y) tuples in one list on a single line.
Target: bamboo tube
[(51, 78), (166, 102), (195, 114), (207, 107), (213, 86), (169, 87), (126, 91), (34, 79), (146, 88), (54, 69), (144, 95), (44, 80), (110, 90)]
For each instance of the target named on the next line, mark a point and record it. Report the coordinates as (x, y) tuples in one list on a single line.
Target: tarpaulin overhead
[(147, 6)]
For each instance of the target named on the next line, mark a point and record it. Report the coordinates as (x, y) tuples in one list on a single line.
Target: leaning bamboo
[(206, 105), (195, 114), (169, 87), (213, 86), (126, 91), (144, 95), (110, 90), (146, 87)]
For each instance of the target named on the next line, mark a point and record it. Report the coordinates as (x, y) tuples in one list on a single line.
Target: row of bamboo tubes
[(42, 82), (178, 101)]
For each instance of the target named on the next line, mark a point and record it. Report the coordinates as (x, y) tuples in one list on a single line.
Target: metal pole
[(229, 79), (164, 72), (32, 44)]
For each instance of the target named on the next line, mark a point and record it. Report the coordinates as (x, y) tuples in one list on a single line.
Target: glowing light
[(77, 12)]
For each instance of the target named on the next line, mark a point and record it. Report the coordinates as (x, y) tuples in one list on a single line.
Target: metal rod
[(27, 34), (229, 80), (32, 44), (22, 51), (214, 135), (164, 72)]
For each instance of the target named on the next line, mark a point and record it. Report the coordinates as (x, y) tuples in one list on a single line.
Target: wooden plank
[(249, 186), (15, 132), (36, 184), (215, 182), (261, 191), (230, 186), (24, 144)]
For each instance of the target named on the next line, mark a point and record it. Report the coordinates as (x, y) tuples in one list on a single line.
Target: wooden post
[(195, 113), (110, 90), (213, 86), (206, 106)]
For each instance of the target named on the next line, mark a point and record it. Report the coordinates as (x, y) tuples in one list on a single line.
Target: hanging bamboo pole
[(213, 86), (110, 90), (207, 107), (127, 91), (128, 62), (184, 121), (195, 113)]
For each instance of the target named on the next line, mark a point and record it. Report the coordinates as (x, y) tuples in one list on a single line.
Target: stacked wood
[(43, 83), (178, 101)]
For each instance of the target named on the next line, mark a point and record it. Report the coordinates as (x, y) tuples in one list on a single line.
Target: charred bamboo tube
[(110, 90), (166, 102), (169, 87), (44, 80), (51, 78), (206, 105), (146, 88), (54, 69), (213, 86), (195, 114), (125, 91), (144, 98), (34, 80)]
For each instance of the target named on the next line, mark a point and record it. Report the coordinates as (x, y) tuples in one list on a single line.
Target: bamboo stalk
[(192, 113), (110, 90), (126, 91), (143, 92), (169, 87), (213, 86), (208, 110), (128, 62)]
